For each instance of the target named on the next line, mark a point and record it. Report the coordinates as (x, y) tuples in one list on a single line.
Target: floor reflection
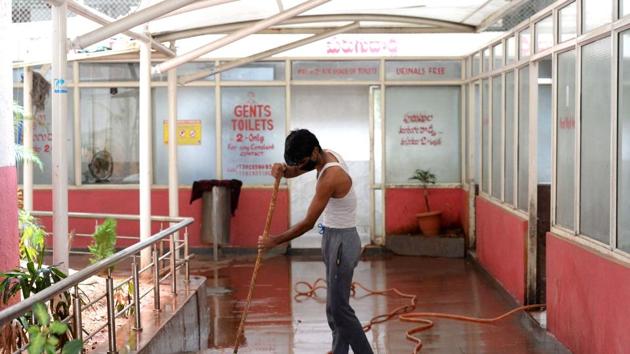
[(278, 323)]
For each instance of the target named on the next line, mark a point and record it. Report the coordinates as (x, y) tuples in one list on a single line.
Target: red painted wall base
[(501, 249), (8, 218), (402, 205), (246, 225), (588, 299)]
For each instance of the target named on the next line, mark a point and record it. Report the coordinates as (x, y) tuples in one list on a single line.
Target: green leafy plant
[(123, 298), (22, 153), (425, 177), (44, 334), (32, 237), (104, 244)]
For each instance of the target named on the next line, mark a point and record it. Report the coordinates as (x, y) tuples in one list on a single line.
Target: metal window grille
[(39, 10), (519, 14)]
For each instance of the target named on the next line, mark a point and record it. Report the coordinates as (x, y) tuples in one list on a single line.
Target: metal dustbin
[(219, 201)]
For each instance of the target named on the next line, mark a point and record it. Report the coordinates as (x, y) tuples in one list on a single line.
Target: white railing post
[(59, 123), (145, 149)]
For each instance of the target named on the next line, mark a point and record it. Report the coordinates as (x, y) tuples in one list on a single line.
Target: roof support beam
[(199, 4), (103, 19), (129, 22), (426, 25), (241, 33), (262, 55)]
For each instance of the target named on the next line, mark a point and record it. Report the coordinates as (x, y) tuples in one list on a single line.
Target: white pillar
[(27, 139), (59, 118), (173, 181), (145, 149)]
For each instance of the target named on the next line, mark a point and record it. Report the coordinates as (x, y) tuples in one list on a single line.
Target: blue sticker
[(60, 86)]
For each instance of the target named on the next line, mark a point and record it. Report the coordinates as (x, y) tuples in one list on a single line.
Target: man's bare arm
[(323, 192)]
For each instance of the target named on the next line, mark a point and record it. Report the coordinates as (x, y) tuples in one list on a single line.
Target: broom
[(265, 235)]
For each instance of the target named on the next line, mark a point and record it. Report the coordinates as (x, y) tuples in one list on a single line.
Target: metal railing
[(155, 242)]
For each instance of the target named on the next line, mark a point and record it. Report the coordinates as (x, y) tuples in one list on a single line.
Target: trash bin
[(219, 202)]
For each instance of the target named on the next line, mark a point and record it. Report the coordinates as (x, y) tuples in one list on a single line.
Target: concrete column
[(8, 180)]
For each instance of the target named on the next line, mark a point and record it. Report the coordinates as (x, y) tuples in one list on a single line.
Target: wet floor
[(280, 323)]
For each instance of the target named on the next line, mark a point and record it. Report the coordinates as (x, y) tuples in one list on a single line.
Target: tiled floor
[(279, 323)]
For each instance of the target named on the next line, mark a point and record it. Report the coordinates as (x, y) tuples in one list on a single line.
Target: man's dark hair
[(298, 145)]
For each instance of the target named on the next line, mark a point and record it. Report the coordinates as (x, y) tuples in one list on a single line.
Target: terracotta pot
[(429, 223)]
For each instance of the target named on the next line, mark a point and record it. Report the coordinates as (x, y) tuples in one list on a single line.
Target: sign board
[(188, 132)]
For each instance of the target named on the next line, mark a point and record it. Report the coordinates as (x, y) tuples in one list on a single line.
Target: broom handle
[(265, 235)]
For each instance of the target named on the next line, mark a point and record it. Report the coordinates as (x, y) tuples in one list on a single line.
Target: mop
[(252, 284)]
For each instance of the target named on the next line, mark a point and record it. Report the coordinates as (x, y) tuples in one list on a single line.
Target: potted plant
[(428, 221)]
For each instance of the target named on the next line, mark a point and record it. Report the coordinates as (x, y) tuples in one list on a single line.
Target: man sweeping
[(341, 247)]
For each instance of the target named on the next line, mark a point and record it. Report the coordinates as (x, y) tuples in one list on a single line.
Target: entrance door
[(540, 181), (339, 117)]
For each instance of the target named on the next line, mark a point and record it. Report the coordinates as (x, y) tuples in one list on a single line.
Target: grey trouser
[(341, 249)]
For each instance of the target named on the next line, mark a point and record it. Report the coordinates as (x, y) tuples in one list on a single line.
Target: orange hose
[(404, 312)]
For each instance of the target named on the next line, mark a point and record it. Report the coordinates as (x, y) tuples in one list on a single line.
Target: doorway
[(540, 217), (340, 118)]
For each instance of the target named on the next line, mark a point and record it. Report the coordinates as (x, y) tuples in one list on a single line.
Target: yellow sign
[(188, 132)]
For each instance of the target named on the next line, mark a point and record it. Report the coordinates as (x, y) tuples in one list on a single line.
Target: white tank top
[(340, 213)]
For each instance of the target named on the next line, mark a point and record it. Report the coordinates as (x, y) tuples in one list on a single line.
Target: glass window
[(90, 72), (544, 127), (253, 132), (568, 22), (497, 56), (335, 70), (565, 128), (486, 60), (544, 34), (596, 13), (421, 70), (18, 95), (523, 139), (340, 127), (477, 147), (378, 135), (196, 150), (187, 69), (109, 135), (18, 75), (497, 94), (509, 138), (466, 134), (524, 43), (423, 131), (625, 7), (42, 138), (623, 148), (468, 63), (485, 135), (595, 141), (476, 63), (511, 50), (258, 71)]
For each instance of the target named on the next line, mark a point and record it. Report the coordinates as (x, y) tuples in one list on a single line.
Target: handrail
[(81, 215), (72, 280)]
